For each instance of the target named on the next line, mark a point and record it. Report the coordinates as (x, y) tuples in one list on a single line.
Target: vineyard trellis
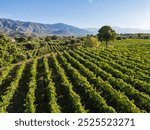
[(90, 80)]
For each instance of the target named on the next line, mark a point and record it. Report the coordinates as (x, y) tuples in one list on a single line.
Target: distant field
[(96, 80)]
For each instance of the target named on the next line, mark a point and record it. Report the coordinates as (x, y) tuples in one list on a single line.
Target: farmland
[(80, 80)]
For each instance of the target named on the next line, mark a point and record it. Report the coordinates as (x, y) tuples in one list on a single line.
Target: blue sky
[(80, 13)]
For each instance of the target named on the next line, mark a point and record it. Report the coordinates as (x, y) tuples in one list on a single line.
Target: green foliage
[(91, 42), (5, 73), (54, 37), (30, 98), (48, 39), (116, 97), (51, 90), (7, 97), (67, 86), (30, 45), (95, 101), (21, 39), (106, 33), (3, 39), (115, 79), (119, 37)]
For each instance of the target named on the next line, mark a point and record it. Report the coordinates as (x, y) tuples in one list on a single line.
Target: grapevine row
[(5, 73), (123, 68), (51, 90), (141, 100), (97, 103), (129, 64), (30, 97), (138, 84), (118, 100), (73, 97), (7, 97)]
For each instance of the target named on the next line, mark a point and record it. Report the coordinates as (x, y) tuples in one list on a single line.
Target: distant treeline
[(134, 36)]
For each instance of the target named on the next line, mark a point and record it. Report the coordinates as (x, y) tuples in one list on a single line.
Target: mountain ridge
[(15, 26), (20, 28), (120, 30)]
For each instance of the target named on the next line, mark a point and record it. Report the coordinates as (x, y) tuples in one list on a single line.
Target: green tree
[(106, 33), (48, 39), (3, 39), (21, 39), (91, 42), (140, 35)]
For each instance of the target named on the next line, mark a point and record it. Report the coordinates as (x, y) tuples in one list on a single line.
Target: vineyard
[(94, 80)]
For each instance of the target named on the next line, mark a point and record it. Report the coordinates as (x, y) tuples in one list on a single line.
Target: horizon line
[(30, 21)]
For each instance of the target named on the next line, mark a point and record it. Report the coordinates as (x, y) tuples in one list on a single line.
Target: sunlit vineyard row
[(93, 80)]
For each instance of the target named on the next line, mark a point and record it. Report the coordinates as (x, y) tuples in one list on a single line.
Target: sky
[(80, 13)]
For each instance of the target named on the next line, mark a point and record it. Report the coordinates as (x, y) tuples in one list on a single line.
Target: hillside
[(120, 30), (12, 27)]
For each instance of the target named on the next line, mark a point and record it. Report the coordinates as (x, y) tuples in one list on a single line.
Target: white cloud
[(90, 1)]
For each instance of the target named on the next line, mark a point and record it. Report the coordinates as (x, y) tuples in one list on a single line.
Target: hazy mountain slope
[(120, 30), (9, 26)]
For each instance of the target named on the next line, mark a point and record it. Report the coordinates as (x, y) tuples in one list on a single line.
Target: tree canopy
[(106, 33), (91, 42)]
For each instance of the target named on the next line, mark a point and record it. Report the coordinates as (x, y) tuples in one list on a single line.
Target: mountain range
[(120, 30), (13, 28), (19, 28)]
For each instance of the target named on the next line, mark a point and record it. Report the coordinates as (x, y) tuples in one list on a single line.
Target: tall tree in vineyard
[(106, 33)]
